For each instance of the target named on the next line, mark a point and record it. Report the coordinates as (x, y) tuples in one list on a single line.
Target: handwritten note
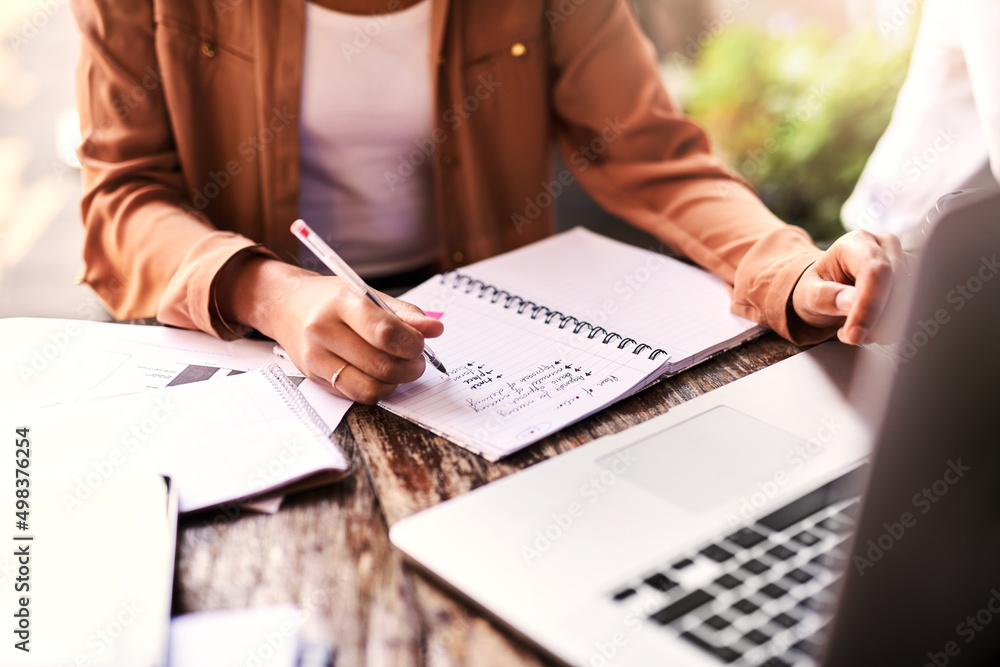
[(513, 379), (520, 372)]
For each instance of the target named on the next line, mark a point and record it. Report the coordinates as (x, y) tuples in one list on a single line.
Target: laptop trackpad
[(717, 456)]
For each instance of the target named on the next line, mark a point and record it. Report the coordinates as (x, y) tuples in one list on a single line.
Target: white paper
[(218, 441), (97, 578), (262, 637), (46, 361)]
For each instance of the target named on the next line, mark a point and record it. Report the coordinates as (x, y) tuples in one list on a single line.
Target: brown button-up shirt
[(190, 118)]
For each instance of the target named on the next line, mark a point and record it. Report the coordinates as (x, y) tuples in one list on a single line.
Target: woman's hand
[(850, 285), (328, 330)]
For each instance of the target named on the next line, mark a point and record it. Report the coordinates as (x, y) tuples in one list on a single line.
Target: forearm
[(147, 250), (251, 290), (644, 161)]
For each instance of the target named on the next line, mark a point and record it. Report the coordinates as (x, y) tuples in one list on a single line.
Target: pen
[(335, 263)]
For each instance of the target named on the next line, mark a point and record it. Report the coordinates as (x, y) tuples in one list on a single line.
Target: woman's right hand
[(328, 329)]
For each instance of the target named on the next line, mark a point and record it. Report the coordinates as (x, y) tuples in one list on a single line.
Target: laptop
[(841, 507)]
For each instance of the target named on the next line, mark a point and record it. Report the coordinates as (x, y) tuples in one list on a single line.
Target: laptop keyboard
[(760, 595)]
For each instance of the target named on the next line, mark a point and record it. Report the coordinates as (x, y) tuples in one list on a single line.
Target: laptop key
[(661, 582), (681, 607), (756, 637), (773, 591), (681, 564), (781, 552), (623, 594), (806, 538), (728, 581), (799, 576), (776, 662), (745, 606), (785, 621), (717, 622), (746, 538), (716, 553), (754, 566), (723, 653)]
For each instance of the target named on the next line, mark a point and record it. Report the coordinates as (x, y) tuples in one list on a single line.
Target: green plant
[(798, 115)]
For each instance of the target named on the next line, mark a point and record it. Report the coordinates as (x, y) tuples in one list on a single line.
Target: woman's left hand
[(850, 285)]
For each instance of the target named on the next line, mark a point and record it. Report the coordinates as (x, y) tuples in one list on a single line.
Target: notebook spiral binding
[(294, 399), (470, 284)]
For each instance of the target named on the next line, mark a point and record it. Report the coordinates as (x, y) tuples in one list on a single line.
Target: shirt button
[(458, 256), (448, 160), (208, 49), (517, 49)]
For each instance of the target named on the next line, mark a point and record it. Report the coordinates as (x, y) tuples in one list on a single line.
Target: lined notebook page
[(513, 379), (632, 291)]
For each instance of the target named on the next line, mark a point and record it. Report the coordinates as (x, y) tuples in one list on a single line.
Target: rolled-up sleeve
[(644, 161), (147, 251)]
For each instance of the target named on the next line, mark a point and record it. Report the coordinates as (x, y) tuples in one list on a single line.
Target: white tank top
[(366, 112)]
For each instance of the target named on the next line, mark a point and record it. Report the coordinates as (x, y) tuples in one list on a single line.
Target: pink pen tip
[(299, 227), (436, 314)]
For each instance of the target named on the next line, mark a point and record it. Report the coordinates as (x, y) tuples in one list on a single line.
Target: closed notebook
[(540, 337), (237, 439)]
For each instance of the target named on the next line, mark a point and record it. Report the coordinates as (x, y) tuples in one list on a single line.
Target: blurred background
[(794, 94)]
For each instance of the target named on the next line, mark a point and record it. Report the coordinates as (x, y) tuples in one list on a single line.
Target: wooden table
[(328, 550)]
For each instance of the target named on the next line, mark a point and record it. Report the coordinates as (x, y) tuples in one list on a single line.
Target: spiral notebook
[(540, 337), (225, 442)]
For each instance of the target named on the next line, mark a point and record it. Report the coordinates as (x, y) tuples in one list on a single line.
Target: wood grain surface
[(328, 550)]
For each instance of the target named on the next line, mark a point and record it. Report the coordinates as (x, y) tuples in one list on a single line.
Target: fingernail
[(436, 314), (845, 299)]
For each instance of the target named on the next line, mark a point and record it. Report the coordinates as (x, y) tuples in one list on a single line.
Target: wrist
[(252, 287)]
